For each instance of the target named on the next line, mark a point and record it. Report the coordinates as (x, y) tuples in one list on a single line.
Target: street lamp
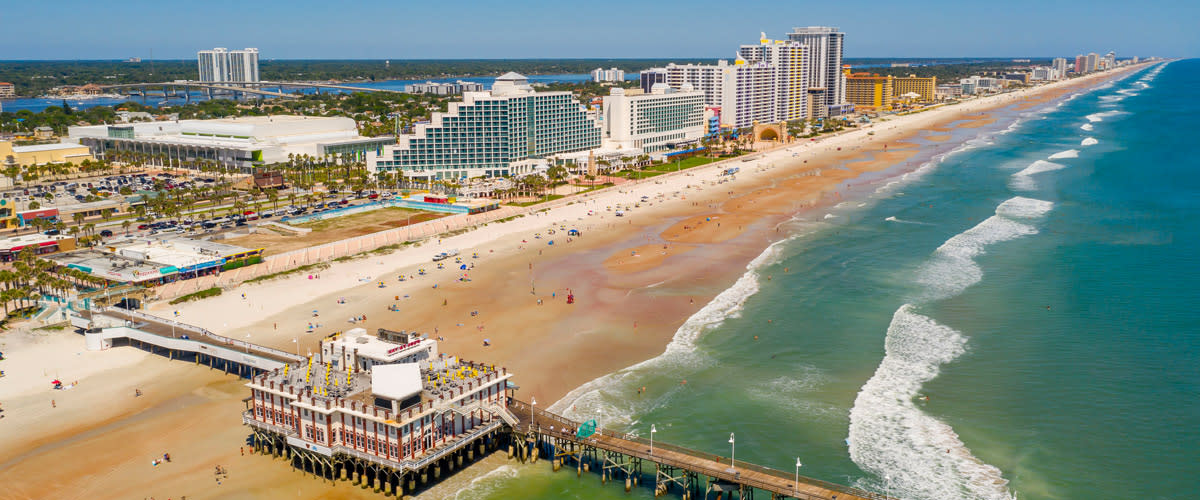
[(652, 431), (532, 412), (797, 485), (887, 486), (732, 452)]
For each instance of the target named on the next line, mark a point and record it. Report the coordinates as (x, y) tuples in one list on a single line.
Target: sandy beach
[(681, 240)]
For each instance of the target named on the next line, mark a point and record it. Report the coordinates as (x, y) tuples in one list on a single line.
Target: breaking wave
[(1089, 141), (606, 396), (1070, 153), (889, 435), (1024, 180)]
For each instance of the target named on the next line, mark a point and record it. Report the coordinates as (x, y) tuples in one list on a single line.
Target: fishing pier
[(397, 437), (674, 469)]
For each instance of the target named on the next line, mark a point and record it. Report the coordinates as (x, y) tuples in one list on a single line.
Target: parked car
[(106, 233)]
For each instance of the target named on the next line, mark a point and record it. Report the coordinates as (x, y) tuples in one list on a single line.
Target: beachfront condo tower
[(870, 92), (486, 132), (767, 83), (825, 83), (926, 88)]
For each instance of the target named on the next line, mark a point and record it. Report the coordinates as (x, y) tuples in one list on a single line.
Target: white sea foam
[(606, 396), (481, 486), (1087, 126), (889, 435), (903, 221), (1089, 141), (1024, 181), (1070, 153), (1098, 117), (952, 268), (794, 393), (986, 139), (922, 456), (829, 216), (1020, 207)]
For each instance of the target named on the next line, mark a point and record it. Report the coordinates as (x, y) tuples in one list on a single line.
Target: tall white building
[(1092, 62), (661, 119), (1060, 67), (767, 83), (826, 85), (608, 75), (790, 63), (243, 65), (214, 64), (224, 65)]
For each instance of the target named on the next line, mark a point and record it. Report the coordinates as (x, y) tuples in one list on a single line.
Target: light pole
[(797, 485), (652, 431), (887, 486), (732, 452), (532, 412)]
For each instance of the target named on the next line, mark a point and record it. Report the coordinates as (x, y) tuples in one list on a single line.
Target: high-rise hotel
[(826, 85), (224, 65), (486, 132), (767, 83)]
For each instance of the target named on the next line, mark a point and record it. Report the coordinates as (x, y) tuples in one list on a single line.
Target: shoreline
[(628, 307)]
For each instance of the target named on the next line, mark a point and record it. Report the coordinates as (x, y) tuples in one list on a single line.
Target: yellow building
[(926, 87), (869, 92), (39, 154)]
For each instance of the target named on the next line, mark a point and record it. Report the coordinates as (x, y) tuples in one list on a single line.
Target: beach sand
[(100, 441)]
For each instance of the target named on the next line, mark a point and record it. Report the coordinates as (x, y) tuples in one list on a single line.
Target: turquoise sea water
[(1037, 281)]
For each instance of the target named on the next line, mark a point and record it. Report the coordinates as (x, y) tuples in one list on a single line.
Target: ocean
[(1017, 317)]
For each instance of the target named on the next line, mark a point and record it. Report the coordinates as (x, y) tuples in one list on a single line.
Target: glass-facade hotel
[(482, 135)]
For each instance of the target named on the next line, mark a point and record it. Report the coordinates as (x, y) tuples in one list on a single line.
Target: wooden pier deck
[(779, 484), (164, 328)]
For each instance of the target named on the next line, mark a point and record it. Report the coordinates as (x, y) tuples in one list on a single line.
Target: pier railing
[(248, 419), (632, 445), (221, 339)]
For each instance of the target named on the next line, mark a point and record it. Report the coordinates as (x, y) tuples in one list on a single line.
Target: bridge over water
[(261, 88)]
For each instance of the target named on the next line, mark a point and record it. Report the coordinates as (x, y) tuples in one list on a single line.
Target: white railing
[(248, 419), (200, 331)]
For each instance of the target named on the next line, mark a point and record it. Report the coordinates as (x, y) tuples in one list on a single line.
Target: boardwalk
[(170, 329), (779, 483)]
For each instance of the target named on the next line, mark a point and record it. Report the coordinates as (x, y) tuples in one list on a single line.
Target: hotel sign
[(395, 350)]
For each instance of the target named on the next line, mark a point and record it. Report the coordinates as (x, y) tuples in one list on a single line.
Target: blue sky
[(400, 29)]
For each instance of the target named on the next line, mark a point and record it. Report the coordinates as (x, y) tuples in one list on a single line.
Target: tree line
[(32, 78)]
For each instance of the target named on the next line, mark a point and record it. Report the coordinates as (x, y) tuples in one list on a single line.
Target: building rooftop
[(16, 243), (111, 266), (46, 147), (419, 386)]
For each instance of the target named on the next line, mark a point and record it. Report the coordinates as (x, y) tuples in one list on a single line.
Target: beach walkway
[(102, 326), (675, 466)]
